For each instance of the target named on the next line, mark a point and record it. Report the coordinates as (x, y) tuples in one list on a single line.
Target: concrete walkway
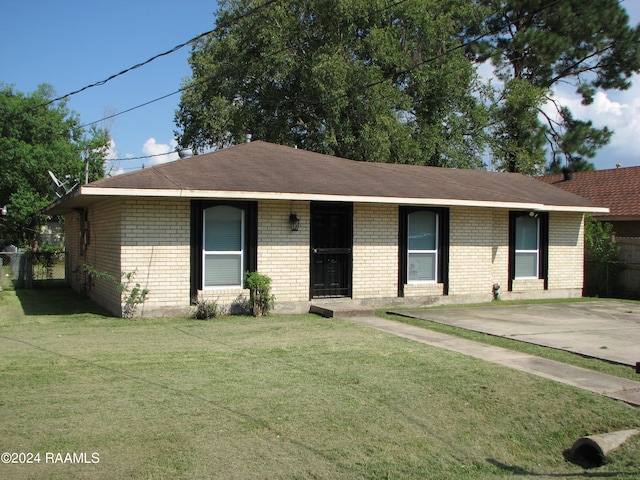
[(611, 386)]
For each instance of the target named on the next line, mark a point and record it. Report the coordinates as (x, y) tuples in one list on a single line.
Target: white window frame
[(434, 252), (206, 253), (536, 252)]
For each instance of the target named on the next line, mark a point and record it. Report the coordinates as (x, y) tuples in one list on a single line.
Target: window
[(527, 246), (223, 243), (422, 247), (222, 252)]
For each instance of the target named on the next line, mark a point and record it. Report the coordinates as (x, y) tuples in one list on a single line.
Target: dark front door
[(331, 245)]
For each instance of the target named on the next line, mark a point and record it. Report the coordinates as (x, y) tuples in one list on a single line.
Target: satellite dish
[(61, 188)]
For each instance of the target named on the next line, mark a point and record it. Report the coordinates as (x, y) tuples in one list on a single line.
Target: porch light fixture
[(3, 210), (294, 221)]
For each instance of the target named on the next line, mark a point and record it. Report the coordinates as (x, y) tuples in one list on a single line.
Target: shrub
[(602, 267), (206, 309), (260, 299), (132, 296)]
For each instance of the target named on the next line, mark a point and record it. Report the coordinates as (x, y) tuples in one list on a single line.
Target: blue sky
[(73, 43)]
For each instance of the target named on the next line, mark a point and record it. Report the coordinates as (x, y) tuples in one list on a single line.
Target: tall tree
[(371, 80), (537, 44), (36, 137)]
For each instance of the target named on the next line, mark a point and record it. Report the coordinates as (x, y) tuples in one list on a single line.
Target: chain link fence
[(40, 269), (602, 279)]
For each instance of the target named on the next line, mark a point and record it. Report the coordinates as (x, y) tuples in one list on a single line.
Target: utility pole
[(86, 166)]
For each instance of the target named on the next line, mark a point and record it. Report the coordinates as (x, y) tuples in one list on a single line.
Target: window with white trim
[(527, 246), (422, 246), (223, 247)]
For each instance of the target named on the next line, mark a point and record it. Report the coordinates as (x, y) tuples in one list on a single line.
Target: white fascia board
[(241, 195)]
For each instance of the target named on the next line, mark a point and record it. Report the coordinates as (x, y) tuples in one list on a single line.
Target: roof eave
[(86, 195)]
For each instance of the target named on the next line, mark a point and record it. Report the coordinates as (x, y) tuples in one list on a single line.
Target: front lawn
[(276, 397)]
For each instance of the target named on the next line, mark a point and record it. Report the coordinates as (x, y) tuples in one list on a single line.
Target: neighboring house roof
[(618, 189), (261, 170)]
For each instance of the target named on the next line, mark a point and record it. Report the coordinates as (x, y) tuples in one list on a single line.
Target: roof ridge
[(157, 169)]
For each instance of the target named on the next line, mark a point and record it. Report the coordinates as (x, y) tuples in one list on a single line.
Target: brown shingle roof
[(618, 189), (265, 170)]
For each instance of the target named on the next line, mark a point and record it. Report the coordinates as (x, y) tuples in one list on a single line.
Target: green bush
[(131, 296), (602, 268), (260, 299), (206, 309)]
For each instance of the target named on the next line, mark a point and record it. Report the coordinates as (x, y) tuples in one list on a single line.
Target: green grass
[(276, 397)]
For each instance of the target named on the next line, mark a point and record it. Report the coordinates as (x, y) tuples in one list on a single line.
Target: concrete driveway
[(609, 330)]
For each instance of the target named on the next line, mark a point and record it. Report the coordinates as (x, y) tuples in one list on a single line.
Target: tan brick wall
[(283, 255), (423, 289), (500, 249), (156, 246), (566, 250), (103, 252), (375, 251), (471, 251), (154, 235), (527, 285)]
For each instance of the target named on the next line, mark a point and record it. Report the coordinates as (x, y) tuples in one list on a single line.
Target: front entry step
[(340, 308)]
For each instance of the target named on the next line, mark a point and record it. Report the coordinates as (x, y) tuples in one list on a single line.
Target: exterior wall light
[(3, 210), (294, 221)]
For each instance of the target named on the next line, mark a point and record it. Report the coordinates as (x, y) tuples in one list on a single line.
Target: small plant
[(206, 309), (132, 296), (260, 299)]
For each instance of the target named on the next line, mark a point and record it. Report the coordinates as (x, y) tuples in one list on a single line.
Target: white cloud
[(603, 105), (112, 153), (112, 167), (152, 147), (617, 110)]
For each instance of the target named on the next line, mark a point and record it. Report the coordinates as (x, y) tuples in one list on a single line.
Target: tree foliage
[(396, 81), (367, 80), (601, 258), (543, 43), (600, 244), (34, 139)]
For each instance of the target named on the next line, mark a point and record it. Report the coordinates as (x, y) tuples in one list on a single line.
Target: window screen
[(223, 231), (422, 243)]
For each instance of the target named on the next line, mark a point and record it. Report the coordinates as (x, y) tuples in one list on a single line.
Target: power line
[(192, 85), (448, 51), (361, 89), (155, 57), (132, 108), (127, 70), (163, 54), (140, 158)]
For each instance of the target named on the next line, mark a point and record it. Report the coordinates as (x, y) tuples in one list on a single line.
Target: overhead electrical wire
[(155, 57), (108, 117), (360, 90), (192, 85), (163, 54), (363, 88), (195, 83)]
